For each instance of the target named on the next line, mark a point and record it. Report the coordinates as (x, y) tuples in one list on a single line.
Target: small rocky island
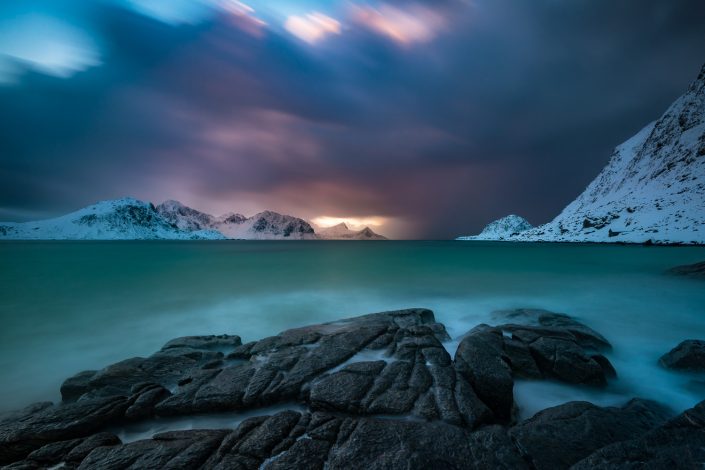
[(378, 391)]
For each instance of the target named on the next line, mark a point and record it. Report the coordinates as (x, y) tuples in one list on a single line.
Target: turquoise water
[(70, 306)]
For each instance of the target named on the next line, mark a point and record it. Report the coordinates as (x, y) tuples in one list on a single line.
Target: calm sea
[(71, 306)]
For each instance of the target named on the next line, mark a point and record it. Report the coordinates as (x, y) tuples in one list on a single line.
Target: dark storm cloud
[(439, 116)]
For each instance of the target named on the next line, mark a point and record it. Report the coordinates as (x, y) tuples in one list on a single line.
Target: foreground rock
[(687, 356), (377, 391)]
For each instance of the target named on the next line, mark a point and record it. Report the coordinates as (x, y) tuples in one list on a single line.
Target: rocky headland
[(376, 391)]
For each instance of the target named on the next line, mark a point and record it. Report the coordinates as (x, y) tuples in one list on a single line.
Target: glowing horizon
[(351, 222)]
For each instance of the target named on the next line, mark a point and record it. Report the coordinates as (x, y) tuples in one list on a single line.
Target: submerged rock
[(377, 391), (696, 270), (687, 356)]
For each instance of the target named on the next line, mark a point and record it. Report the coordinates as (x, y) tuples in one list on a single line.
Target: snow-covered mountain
[(266, 225), (120, 219), (653, 188), (343, 232), (502, 229), (184, 217)]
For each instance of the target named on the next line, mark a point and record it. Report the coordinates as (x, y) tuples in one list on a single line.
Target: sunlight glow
[(353, 223)]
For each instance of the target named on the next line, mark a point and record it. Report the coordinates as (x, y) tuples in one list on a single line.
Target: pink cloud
[(243, 16), (312, 27), (413, 24)]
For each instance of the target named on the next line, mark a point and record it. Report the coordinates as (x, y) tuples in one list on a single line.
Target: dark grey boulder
[(171, 450), (58, 423), (558, 437), (553, 345), (687, 356), (550, 324), (479, 359), (678, 444)]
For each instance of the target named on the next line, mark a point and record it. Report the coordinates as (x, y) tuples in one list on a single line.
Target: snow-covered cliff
[(653, 188)]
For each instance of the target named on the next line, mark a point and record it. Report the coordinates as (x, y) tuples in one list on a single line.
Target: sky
[(425, 119)]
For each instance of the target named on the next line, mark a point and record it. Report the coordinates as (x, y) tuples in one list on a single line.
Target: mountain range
[(132, 219), (651, 191)]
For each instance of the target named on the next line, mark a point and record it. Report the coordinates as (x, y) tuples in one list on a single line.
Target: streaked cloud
[(44, 44), (312, 27), (173, 12), (405, 25)]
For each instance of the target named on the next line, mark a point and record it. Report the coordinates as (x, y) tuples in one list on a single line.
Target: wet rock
[(561, 436), (687, 356), (479, 359), (71, 452), (677, 444), (559, 347), (222, 343), (173, 450), (300, 365), (293, 440), (346, 389), (144, 398), (57, 423), (568, 362), (550, 324)]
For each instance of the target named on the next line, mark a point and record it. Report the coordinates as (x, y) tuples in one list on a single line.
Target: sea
[(69, 306)]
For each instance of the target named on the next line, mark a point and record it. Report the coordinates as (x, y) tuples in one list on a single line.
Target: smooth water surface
[(71, 306)]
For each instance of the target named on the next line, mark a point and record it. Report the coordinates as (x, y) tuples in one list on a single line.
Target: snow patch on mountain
[(652, 190), (119, 219), (502, 229), (269, 225)]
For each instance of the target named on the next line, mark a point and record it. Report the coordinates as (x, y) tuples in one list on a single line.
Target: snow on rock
[(343, 232), (502, 229), (119, 219), (184, 217), (652, 190), (266, 225)]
